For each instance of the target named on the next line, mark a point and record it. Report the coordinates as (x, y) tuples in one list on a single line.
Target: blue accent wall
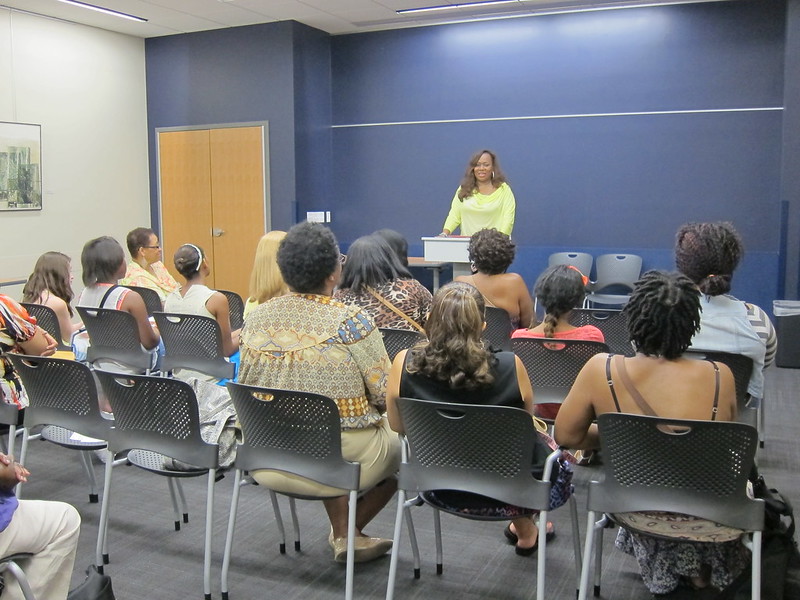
[(611, 183)]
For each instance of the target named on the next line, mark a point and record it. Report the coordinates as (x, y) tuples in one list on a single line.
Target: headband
[(584, 278), (199, 257)]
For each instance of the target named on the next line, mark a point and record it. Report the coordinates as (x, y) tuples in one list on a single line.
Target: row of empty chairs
[(616, 274)]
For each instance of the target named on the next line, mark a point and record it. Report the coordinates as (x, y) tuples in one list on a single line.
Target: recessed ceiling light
[(107, 11), (406, 11)]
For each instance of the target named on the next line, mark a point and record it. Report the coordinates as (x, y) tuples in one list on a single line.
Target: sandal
[(512, 537)]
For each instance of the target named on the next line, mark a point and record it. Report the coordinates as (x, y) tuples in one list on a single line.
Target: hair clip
[(584, 278)]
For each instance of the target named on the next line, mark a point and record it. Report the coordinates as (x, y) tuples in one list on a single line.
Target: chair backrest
[(553, 365), (457, 447), (293, 432), (157, 414), (617, 270), (152, 301), (612, 322), (61, 392), (498, 328), (582, 260), (699, 468), (46, 319), (113, 336), (395, 340), (192, 342), (236, 305), (741, 366)]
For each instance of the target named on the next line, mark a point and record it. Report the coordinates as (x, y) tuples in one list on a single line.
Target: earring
[(492, 174), (473, 267)]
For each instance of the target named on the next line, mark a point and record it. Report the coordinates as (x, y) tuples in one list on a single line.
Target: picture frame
[(20, 166)]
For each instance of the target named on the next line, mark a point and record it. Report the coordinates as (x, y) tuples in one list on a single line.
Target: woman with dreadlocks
[(663, 315)]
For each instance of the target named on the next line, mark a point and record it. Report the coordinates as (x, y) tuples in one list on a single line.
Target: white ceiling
[(165, 17)]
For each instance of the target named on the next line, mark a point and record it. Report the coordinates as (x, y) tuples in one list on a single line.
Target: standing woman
[(50, 284), (266, 280), (146, 269), (483, 199)]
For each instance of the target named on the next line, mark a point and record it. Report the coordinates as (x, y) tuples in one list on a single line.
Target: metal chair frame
[(193, 342), (457, 447), (158, 418), (8, 564), (614, 271), (650, 464), (395, 340), (236, 306), (298, 433), (152, 301), (46, 319)]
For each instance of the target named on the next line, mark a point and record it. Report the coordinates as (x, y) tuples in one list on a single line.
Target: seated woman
[(309, 342), (398, 243), (559, 289), (18, 331), (266, 281), (708, 254), (453, 366), (491, 253), (103, 263), (146, 269), (663, 315), (195, 298), (51, 284), (374, 279)]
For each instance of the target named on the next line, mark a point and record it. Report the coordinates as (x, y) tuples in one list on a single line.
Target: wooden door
[(213, 196)]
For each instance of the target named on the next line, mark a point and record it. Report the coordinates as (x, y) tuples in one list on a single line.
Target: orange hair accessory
[(584, 278)]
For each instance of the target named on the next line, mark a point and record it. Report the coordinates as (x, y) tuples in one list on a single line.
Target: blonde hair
[(265, 280)]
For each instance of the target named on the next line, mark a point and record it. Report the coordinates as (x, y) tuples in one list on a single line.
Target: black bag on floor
[(780, 559), (96, 587)]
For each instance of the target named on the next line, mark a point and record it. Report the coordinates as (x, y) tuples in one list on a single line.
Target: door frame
[(265, 167)]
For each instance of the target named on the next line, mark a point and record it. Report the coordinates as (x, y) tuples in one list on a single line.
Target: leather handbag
[(95, 587)]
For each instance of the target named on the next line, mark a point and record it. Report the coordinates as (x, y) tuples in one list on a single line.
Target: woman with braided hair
[(663, 315), (708, 253)]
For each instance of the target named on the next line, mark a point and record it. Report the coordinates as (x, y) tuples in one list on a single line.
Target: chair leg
[(576, 539), (412, 535), (598, 554), (583, 591), (755, 586), (22, 580), (212, 476), (184, 506), (278, 519), (540, 560), (88, 467), (12, 437), (172, 496), (762, 409), (22, 455), (101, 555), (295, 524), (437, 526), (226, 557), (398, 527), (351, 543)]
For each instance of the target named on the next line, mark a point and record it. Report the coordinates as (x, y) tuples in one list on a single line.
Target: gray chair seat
[(63, 437), (155, 463)]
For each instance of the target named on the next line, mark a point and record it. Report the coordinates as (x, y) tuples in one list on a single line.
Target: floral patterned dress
[(15, 326)]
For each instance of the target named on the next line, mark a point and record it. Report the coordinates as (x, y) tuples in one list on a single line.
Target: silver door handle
[(217, 232)]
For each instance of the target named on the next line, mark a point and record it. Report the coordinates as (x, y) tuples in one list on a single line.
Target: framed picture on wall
[(20, 166)]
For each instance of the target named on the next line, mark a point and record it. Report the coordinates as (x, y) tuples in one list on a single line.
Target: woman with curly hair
[(663, 315), (374, 279), (483, 199), (50, 284), (491, 252), (453, 365), (708, 254), (309, 342)]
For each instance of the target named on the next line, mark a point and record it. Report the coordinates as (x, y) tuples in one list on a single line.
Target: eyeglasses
[(152, 247)]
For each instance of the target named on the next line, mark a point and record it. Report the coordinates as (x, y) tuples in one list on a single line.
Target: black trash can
[(787, 324)]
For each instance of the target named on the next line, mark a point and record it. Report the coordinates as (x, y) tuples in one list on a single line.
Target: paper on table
[(77, 437)]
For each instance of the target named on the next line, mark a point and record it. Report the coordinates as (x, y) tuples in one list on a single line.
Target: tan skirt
[(376, 448)]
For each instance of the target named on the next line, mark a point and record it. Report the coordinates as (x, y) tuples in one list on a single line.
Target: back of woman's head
[(398, 243), (454, 351), (307, 256), (51, 273), (663, 314), (559, 289), (188, 259), (265, 279), (708, 254), (138, 238), (370, 263), (491, 251), (102, 259)]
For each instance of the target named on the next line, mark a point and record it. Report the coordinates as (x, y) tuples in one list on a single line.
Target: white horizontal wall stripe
[(573, 116)]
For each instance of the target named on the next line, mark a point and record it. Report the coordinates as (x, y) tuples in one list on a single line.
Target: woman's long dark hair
[(51, 274), (371, 261), (454, 351), (469, 184)]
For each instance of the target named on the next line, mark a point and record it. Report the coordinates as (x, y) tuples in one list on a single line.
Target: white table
[(452, 249)]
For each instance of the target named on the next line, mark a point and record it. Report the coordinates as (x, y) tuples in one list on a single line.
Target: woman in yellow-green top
[(483, 200)]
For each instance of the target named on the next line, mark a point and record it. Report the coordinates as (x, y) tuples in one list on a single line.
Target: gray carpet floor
[(149, 560)]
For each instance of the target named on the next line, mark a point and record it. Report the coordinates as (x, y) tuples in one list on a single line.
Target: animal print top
[(407, 295)]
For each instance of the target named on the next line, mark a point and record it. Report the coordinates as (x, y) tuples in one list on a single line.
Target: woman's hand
[(11, 473)]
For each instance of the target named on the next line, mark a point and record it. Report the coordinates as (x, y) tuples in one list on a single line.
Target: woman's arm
[(574, 427), (133, 304), (525, 305), (524, 383), (41, 344), (65, 324), (217, 305), (454, 216), (507, 211), (393, 392)]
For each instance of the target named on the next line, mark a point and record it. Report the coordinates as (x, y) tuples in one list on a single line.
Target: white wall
[(86, 88)]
